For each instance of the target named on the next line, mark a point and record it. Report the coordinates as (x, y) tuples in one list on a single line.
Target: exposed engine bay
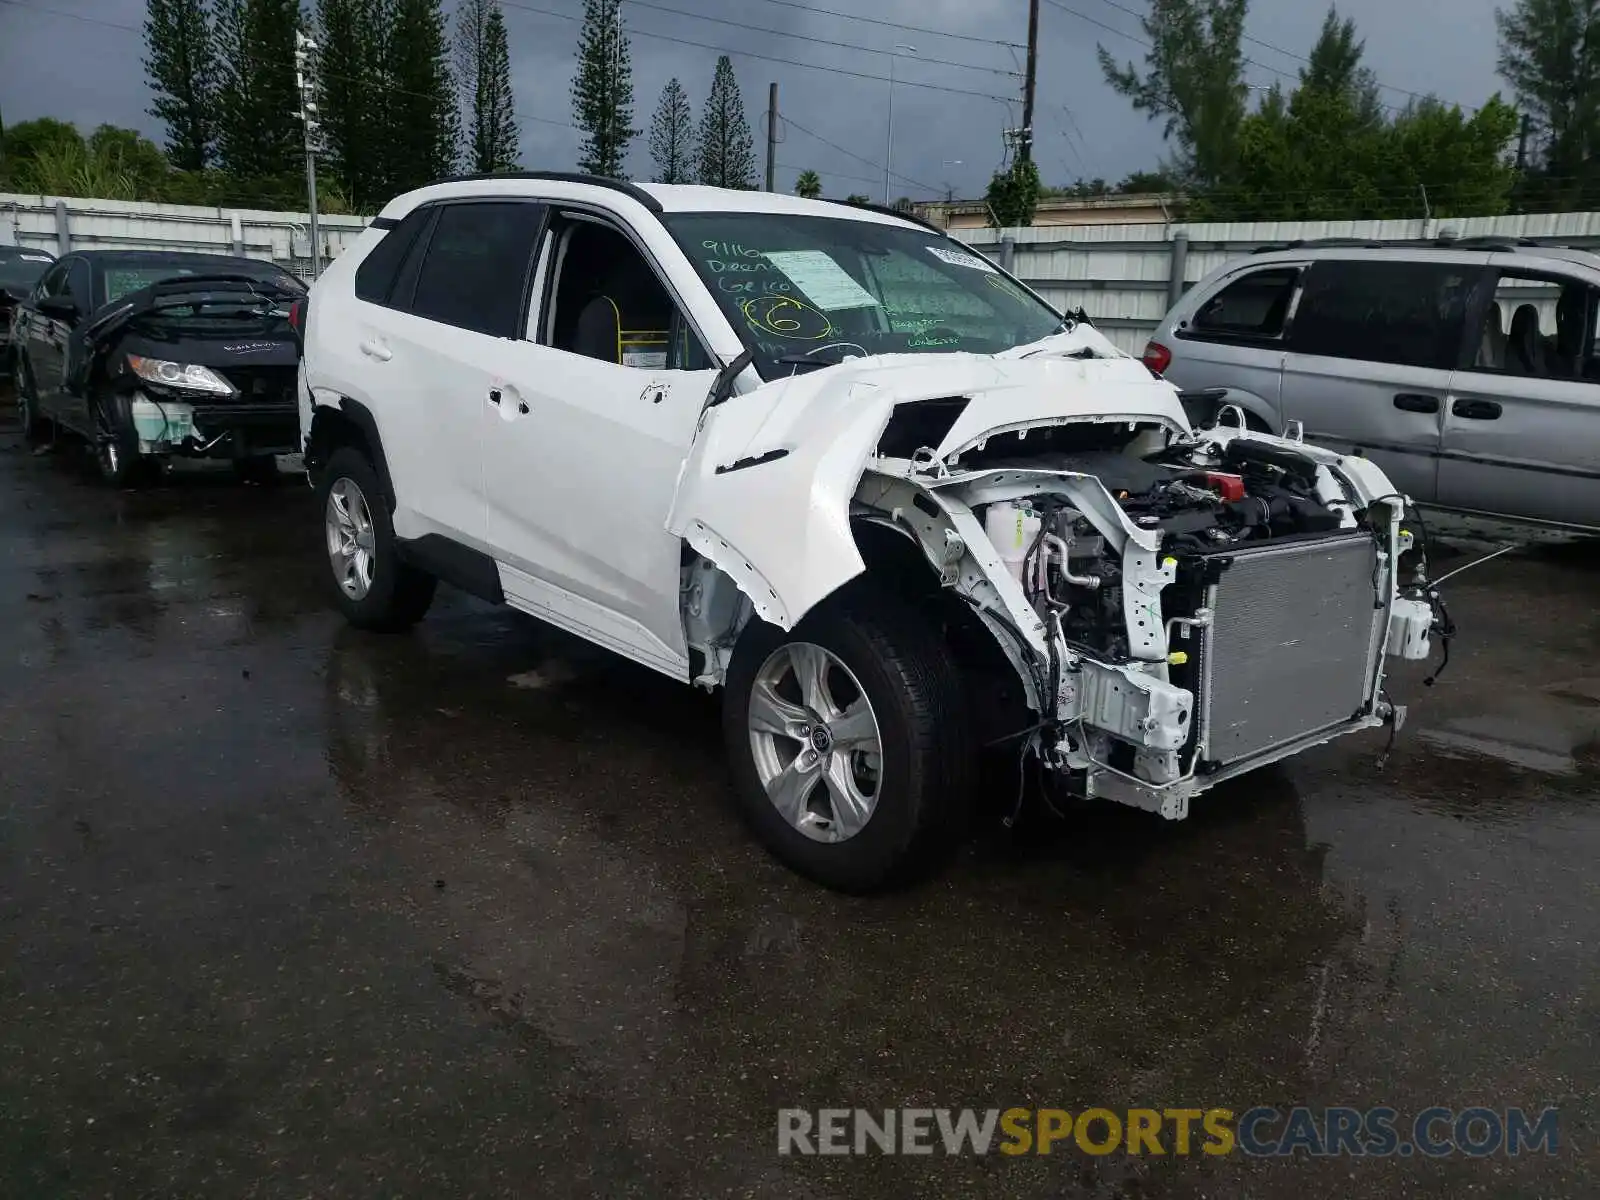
[(1195, 605)]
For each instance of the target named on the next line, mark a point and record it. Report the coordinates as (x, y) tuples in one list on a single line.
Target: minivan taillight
[(1157, 357)]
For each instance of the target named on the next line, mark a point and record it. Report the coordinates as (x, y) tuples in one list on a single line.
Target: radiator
[(1291, 645)]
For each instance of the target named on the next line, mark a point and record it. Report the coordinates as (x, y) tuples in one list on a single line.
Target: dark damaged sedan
[(152, 355)]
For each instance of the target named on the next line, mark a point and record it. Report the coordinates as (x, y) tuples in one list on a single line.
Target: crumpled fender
[(776, 518), (766, 489)]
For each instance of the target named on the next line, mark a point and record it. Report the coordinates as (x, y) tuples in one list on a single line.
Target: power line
[(852, 154), (789, 62), (805, 37), (1255, 41), (963, 37), (61, 12)]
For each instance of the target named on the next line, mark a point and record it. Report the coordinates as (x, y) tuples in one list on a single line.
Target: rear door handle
[(1477, 410), (376, 349), (1416, 402), (496, 395)]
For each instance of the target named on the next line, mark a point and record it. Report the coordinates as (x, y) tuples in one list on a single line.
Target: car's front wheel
[(849, 741), (371, 585)]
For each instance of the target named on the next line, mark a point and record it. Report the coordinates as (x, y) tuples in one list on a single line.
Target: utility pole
[(1522, 144), (772, 135), (1025, 145), (305, 73)]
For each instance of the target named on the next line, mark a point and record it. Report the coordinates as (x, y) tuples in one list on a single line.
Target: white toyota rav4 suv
[(870, 485)]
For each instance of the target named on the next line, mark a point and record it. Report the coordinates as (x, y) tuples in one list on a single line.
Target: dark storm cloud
[(88, 71)]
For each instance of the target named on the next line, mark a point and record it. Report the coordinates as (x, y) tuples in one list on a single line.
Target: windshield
[(123, 278), (802, 289), (20, 270)]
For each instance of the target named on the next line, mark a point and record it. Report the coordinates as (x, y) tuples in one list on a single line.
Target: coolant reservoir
[(1012, 527)]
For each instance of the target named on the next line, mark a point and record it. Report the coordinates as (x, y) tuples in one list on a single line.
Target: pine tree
[(672, 136), (602, 90), (727, 151), (353, 101), (483, 74), (1550, 54), (259, 137), (182, 69), (1335, 68), (809, 185), (420, 131), (1193, 81)]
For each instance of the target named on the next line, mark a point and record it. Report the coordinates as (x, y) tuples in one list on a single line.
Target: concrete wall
[(1127, 276), (60, 224)]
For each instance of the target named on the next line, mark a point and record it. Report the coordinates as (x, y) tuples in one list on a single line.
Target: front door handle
[(376, 349), (1477, 410), (1416, 402)]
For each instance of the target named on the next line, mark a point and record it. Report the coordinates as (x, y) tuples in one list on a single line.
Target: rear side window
[(375, 275), (476, 266), (1256, 306), (1408, 313)]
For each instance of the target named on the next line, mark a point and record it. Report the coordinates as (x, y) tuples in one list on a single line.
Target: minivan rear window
[(1255, 306), (1408, 313)]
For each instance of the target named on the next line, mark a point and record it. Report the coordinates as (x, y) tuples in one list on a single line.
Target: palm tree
[(809, 185)]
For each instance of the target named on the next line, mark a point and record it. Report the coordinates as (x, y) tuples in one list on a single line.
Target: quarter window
[(475, 268), (1256, 306), (1407, 313), (375, 276)]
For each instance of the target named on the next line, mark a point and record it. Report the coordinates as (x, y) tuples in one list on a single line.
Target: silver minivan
[(1467, 370)]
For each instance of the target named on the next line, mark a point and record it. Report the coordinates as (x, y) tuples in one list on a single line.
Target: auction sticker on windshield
[(824, 282), (957, 259)]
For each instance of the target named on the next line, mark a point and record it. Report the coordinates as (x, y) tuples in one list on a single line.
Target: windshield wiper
[(807, 360)]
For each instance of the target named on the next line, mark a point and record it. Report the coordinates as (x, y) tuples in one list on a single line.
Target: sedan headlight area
[(187, 376)]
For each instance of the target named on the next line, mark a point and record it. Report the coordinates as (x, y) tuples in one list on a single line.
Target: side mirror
[(64, 307)]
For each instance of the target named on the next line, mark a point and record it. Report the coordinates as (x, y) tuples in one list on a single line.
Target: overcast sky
[(69, 59)]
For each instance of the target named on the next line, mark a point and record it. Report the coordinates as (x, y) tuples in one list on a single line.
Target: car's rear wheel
[(849, 742), (34, 426), (371, 585)]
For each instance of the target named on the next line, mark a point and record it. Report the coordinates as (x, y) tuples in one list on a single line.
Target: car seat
[(1492, 349), (627, 320), (1525, 348), (1572, 331)]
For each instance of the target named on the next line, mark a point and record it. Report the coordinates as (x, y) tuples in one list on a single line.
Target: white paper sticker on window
[(645, 360), (957, 259), (824, 282)]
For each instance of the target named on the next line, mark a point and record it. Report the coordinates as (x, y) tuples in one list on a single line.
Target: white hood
[(765, 492)]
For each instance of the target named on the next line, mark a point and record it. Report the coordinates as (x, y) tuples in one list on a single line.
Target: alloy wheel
[(351, 541), (816, 742)]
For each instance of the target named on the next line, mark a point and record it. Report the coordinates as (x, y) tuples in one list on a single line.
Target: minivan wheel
[(371, 586), (848, 741)]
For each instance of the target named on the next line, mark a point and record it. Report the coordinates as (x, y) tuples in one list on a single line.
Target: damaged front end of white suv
[(1178, 606)]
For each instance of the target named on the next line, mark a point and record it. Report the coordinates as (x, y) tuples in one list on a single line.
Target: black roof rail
[(631, 190), (890, 211), (1325, 243)]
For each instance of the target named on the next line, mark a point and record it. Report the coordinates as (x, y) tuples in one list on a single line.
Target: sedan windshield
[(810, 291)]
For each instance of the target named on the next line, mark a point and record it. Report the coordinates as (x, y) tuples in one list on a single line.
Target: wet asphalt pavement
[(289, 910)]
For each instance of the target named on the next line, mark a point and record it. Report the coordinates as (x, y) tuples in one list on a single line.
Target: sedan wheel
[(351, 541)]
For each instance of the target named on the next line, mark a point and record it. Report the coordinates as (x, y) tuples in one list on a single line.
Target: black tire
[(116, 445), (34, 426), (400, 594), (259, 469), (924, 787)]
